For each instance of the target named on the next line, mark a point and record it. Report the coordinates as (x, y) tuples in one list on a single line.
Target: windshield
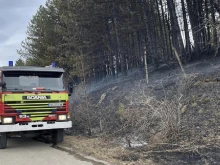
[(29, 80)]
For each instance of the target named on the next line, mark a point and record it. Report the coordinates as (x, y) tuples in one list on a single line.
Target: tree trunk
[(167, 38), (177, 40), (193, 18), (186, 30), (215, 39), (207, 20), (162, 43)]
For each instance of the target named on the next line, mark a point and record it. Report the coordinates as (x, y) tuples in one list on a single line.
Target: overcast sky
[(14, 18)]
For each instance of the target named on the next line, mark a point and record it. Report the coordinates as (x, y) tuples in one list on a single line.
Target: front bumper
[(35, 126)]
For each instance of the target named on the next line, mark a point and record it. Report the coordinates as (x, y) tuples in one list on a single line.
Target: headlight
[(62, 117), (7, 120)]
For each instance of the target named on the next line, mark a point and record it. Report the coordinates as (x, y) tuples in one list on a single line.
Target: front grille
[(36, 109)]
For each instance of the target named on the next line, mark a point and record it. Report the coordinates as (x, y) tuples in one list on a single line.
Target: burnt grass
[(199, 133), (201, 156)]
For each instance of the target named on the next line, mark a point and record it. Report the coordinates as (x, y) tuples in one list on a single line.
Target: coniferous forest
[(95, 39), (108, 48)]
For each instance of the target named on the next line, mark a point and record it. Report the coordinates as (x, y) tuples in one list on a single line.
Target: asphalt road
[(25, 151)]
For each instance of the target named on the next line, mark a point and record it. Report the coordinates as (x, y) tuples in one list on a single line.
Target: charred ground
[(172, 120)]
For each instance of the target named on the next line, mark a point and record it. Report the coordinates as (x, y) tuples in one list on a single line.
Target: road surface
[(25, 151)]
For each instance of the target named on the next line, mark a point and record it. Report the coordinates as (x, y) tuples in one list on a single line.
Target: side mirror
[(2, 84), (70, 88)]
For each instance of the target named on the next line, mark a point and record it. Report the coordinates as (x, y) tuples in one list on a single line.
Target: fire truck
[(33, 102)]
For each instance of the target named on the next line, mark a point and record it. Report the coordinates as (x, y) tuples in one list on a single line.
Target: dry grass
[(110, 152), (104, 150)]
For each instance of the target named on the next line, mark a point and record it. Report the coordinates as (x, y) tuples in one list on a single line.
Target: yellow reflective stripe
[(43, 106), (36, 100), (26, 113), (28, 104), (37, 118), (39, 115), (36, 109)]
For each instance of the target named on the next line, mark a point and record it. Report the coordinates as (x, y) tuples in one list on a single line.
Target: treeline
[(94, 39)]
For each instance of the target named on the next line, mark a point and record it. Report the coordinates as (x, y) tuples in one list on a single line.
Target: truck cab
[(33, 100)]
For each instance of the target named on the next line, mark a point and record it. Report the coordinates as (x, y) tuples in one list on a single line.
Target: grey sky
[(14, 18)]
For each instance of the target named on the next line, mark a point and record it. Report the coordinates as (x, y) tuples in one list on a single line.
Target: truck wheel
[(57, 136), (3, 140)]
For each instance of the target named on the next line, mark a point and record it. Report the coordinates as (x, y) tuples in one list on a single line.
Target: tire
[(57, 136), (3, 140)]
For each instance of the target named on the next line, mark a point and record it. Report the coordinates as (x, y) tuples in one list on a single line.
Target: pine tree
[(19, 62), (94, 39)]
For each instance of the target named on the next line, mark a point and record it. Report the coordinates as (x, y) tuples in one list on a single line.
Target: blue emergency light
[(10, 63), (53, 64)]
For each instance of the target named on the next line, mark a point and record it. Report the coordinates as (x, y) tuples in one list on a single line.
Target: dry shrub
[(154, 117), (159, 120), (90, 115), (185, 84), (144, 116)]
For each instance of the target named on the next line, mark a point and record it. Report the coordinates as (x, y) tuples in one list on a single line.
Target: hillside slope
[(172, 120)]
